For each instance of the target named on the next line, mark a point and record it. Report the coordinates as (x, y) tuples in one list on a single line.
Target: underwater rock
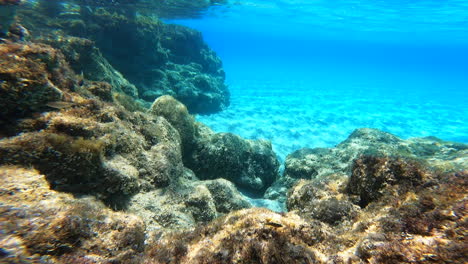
[(321, 201), (32, 75), (85, 58), (250, 164), (225, 195), (186, 205), (158, 59), (40, 225), (319, 163), (371, 174), (247, 236), (407, 220), (426, 223), (177, 114), (200, 92), (82, 145)]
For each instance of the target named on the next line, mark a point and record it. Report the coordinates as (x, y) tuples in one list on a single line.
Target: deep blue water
[(306, 73)]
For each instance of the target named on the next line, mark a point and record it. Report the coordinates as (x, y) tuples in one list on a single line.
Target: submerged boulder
[(32, 76), (320, 163), (38, 223), (86, 59), (371, 175), (321, 201), (82, 145), (250, 164), (157, 58), (177, 114), (186, 205)]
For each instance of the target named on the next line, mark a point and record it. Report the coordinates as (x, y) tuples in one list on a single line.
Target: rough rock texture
[(40, 225), (372, 199), (188, 205), (226, 197), (247, 236), (371, 175), (157, 58), (86, 59), (177, 114), (322, 201), (250, 164), (31, 77), (322, 162), (82, 145), (91, 144), (423, 225)]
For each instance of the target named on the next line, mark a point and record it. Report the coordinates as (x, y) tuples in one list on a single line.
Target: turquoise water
[(307, 73)]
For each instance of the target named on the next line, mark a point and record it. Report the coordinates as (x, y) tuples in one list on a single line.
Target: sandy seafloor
[(295, 113)]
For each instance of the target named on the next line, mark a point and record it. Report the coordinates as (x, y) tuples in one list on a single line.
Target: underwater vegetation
[(100, 165), (141, 55)]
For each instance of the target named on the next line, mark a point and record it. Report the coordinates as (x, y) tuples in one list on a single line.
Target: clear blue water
[(307, 73)]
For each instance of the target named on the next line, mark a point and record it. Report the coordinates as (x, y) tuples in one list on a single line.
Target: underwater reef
[(153, 58), (90, 173)]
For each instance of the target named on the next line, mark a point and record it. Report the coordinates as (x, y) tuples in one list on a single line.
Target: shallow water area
[(307, 74), (102, 160)]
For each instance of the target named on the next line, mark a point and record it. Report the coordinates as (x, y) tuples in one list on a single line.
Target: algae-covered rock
[(225, 195), (32, 75), (38, 223), (186, 205), (86, 59), (319, 163), (250, 164), (246, 236), (319, 200), (82, 145), (199, 91), (157, 58), (372, 174), (177, 114)]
